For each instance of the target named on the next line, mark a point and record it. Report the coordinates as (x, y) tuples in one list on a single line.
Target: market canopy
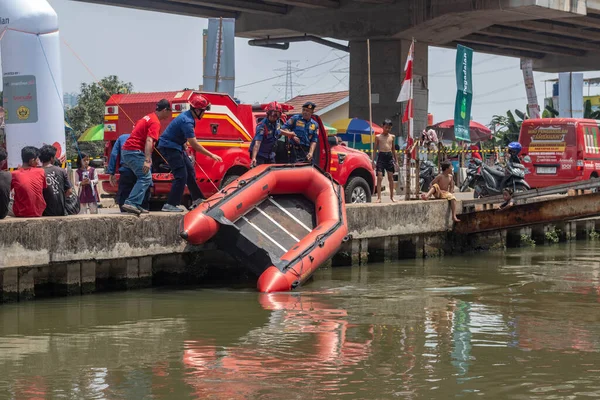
[(477, 131), (356, 132), (331, 131), (356, 126), (93, 134)]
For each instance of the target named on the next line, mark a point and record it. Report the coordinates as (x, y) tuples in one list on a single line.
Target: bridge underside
[(558, 35)]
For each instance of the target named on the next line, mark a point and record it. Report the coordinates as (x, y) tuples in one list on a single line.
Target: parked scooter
[(473, 171), (427, 173), (493, 180)]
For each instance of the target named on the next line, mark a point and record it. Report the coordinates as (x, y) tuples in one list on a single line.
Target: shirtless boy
[(387, 158), (442, 187)]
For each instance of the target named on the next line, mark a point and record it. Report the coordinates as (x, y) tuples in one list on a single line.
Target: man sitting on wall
[(29, 183)]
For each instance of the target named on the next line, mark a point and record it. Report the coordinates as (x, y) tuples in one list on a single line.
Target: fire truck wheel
[(228, 179), (357, 191)]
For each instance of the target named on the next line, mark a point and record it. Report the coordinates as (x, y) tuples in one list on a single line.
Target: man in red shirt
[(475, 152), (136, 154), (29, 183)]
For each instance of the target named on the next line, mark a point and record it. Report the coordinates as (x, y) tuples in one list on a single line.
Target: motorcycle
[(427, 173), (493, 180), (473, 171)]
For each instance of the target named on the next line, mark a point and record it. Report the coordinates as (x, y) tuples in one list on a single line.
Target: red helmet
[(199, 101), (274, 107)]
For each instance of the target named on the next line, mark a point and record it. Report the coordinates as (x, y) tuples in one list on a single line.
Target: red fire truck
[(226, 130)]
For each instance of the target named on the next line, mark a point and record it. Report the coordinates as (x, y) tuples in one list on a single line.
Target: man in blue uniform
[(304, 132), (171, 146), (127, 178), (262, 148)]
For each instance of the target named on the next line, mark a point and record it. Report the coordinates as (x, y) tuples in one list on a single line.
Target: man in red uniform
[(29, 183), (137, 154)]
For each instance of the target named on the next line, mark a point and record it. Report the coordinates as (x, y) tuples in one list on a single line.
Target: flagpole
[(407, 162), (410, 129), (412, 133), (370, 105)]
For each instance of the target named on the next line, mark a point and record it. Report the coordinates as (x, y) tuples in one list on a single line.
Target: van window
[(591, 139)]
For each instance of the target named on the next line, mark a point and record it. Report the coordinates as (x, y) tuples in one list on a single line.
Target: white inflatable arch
[(31, 77)]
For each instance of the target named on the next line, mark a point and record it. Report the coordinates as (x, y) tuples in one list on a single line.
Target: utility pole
[(219, 50)]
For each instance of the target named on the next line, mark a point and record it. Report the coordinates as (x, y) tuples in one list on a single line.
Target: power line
[(483, 102), (324, 75), (281, 75), (318, 62), (289, 82), (490, 71), (484, 94), (452, 70)]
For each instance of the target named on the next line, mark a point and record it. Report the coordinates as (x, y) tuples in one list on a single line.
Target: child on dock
[(387, 159), (86, 181), (508, 200), (442, 187)]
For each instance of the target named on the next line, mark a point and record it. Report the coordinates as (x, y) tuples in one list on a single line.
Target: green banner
[(464, 93)]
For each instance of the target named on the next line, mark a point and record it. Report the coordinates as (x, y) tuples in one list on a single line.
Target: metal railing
[(547, 191)]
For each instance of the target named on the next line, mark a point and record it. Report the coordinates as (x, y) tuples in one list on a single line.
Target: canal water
[(520, 325)]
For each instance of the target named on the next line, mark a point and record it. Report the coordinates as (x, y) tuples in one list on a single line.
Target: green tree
[(506, 128), (90, 111), (588, 112)]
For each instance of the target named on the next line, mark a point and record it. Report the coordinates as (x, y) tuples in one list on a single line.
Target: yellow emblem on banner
[(23, 113)]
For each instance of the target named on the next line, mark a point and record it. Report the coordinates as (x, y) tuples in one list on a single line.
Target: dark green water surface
[(520, 325)]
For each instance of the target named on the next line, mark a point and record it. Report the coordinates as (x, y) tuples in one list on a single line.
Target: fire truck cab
[(226, 130)]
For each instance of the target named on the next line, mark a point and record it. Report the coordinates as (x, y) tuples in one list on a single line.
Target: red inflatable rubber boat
[(282, 221)]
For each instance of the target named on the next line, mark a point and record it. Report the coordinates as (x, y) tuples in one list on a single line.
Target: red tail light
[(580, 165)]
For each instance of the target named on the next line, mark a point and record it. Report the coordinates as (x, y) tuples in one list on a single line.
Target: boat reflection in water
[(279, 355), (523, 326)]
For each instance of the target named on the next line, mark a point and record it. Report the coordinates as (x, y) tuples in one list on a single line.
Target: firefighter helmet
[(274, 107), (198, 101)]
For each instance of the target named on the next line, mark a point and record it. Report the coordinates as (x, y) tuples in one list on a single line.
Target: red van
[(560, 150)]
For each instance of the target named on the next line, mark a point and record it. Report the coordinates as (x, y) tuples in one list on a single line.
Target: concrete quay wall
[(83, 254)]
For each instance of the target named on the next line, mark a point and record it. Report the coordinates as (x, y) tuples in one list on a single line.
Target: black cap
[(388, 122), (310, 105), (163, 105)]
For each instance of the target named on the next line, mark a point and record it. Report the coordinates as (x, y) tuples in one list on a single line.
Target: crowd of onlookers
[(40, 187)]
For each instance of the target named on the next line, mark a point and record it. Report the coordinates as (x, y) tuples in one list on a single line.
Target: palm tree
[(506, 128)]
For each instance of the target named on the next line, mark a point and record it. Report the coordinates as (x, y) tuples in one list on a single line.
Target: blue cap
[(310, 105)]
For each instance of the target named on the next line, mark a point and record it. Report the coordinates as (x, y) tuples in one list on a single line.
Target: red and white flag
[(406, 93)]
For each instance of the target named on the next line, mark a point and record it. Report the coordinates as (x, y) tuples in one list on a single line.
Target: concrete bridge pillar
[(387, 72)]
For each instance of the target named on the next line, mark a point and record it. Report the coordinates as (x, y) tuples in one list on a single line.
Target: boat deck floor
[(278, 223)]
